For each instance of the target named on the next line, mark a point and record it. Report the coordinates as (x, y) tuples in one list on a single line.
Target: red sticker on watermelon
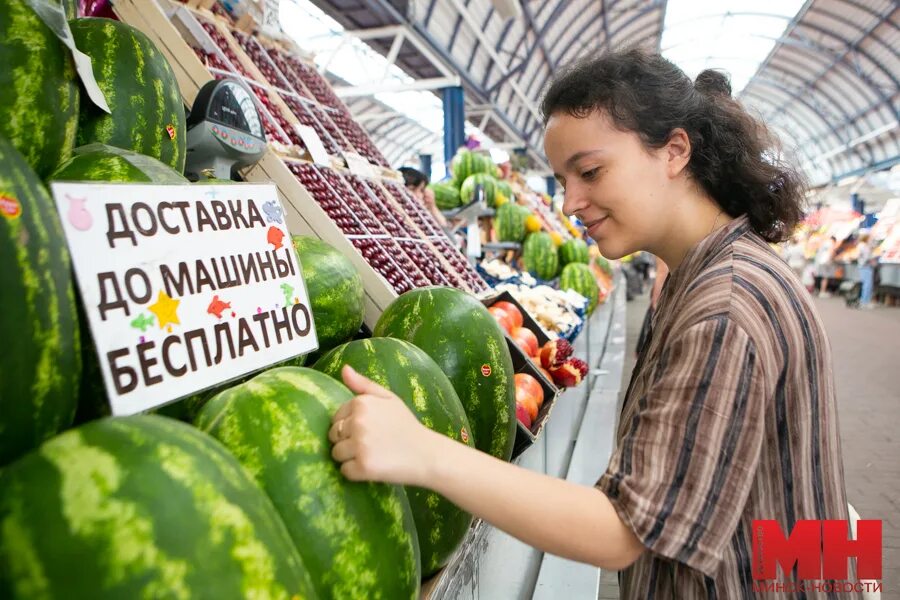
[(464, 435), (486, 370), (9, 206), (171, 131)]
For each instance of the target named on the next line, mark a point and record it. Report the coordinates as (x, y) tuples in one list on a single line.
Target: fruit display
[(510, 222), (101, 162), (39, 381), (463, 338), (140, 89), (152, 508), (446, 196), (335, 288), (276, 425), (232, 491), (540, 256), (39, 93), (573, 251), (578, 277), (488, 184), (413, 375), (556, 311)]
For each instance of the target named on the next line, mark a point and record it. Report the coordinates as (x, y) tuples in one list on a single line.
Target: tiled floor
[(866, 346)]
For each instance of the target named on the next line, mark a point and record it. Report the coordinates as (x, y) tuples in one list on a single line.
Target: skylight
[(732, 35)]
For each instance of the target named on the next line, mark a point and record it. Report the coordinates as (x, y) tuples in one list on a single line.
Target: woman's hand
[(377, 438)]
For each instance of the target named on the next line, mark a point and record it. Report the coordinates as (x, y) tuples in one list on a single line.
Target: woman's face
[(611, 182)]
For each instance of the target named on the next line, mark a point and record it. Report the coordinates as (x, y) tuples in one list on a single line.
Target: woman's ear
[(677, 152)]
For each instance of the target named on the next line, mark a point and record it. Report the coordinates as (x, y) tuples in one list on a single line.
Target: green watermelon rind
[(488, 182), (579, 277), (39, 93), (540, 256), (462, 337), (510, 222), (141, 507), (357, 540), (574, 250), (128, 66), (102, 162), (413, 376), (39, 325)]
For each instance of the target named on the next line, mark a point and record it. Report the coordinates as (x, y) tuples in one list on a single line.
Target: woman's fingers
[(344, 451), (360, 384)]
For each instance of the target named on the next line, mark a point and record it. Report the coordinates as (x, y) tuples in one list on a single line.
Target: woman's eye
[(591, 174)]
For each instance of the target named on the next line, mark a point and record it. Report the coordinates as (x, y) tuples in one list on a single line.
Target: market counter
[(574, 445)]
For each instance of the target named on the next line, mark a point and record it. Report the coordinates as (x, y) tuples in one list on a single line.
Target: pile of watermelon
[(469, 171), (243, 499)]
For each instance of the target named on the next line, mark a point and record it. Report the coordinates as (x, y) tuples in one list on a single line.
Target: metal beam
[(389, 86)]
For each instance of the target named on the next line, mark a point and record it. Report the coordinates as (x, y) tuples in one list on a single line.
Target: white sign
[(185, 286), (358, 165), (314, 144)]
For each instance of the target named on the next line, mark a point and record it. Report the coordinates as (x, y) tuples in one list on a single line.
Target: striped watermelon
[(446, 195), (467, 163), (509, 222), (70, 8), (413, 376), (574, 250), (579, 277), (488, 182), (357, 540), (39, 94), (101, 162), (41, 365), (141, 507), (540, 256), (464, 339), (140, 88), (335, 289)]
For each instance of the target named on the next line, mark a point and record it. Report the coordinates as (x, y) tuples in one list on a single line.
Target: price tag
[(358, 165), (314, 144)]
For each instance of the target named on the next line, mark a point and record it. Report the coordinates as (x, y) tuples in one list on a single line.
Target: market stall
[(185, 286)]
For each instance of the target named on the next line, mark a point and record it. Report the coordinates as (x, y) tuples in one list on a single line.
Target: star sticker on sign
[(166, 310)]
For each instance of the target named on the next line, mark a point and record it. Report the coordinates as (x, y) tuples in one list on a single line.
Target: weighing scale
[(224, 131)]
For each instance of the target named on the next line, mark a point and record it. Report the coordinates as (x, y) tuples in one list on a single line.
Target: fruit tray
[(525, 437)]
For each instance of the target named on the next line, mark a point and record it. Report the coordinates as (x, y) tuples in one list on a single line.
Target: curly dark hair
[(734, 157)]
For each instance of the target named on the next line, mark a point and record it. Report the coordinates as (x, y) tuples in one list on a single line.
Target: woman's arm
[(377, 438)]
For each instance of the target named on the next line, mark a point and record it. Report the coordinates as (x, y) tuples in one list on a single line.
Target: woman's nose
[(573, 200)]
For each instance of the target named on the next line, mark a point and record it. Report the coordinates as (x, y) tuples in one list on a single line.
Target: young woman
[(730, 415)]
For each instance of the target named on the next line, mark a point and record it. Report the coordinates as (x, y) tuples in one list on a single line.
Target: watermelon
[(579, 277), (41, 365), (70, 8), (504, 188), (509, 222), (101, 162), (467, 163), (464, 339), (488, 182), (357, 540), (446, 195), (574, 250), (39, 95), (140, 88), (604, 265), (141, 507), (413, 376), (335, 288), (540, 256)]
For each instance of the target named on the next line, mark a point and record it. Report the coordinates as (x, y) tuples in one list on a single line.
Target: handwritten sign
[(314, 144), (185, 286)]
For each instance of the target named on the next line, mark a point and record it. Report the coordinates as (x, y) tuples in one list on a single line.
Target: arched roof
[(830, 86)]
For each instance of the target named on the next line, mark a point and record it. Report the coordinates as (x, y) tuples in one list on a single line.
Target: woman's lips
[(593, 226)]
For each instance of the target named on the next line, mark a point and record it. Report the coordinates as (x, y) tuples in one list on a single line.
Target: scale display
[(225, 130)]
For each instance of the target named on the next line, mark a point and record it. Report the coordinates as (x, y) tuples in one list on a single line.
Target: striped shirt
[(730, 416)]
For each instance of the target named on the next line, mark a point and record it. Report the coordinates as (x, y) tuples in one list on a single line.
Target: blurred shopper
[(866, 270), (823, 265), (795, 256), (417, 182)]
